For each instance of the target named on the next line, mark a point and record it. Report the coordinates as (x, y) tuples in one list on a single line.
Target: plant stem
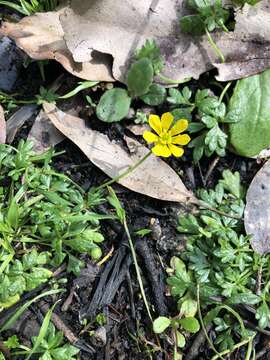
[(235, 347), (125, 173), (137, 267), (224, 92), (214, 46), (218, 355), (172, 81), (222, 213)]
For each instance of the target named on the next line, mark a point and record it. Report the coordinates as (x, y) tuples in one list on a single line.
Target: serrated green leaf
[(155, 96), (232, 183), (151, 51), (113, 105)]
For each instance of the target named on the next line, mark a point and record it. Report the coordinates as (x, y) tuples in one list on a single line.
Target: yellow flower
[(166, 138)]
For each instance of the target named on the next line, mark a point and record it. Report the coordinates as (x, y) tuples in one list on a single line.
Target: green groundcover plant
[(45, 219), (214, 280)]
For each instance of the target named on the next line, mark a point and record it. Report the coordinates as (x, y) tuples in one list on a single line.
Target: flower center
[(165, 138)]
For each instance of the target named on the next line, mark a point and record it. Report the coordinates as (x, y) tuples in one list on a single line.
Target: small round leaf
[(113, 105), (190, 324), (161, 324), (180, 339), (140, 77)]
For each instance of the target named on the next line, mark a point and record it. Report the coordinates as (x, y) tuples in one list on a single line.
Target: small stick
[(200, 339), (131, 295), (211, 168), (69, 299), (61, 326)]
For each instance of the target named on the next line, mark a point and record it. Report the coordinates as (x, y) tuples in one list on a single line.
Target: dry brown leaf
[(253, 56), (17, 120), (257, 212), (2, 126), (96, 40), (41, 37), (153, 178), (104, 25), (44, 134)]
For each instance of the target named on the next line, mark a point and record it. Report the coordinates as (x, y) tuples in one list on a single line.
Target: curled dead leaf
[(153, 178), (96, 40), (41, 36)]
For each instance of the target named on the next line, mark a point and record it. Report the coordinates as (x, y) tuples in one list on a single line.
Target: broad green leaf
[(251, 98), (113, 105), (155, 96), (190, 324), (161, 324), (140, 77)]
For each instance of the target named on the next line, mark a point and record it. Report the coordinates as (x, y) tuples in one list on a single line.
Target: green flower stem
[(172, 81), (137, 268), (208, 207), (235, 347), (218, 355), (224, 92), (224, 27), (214, 46), (125, 173)]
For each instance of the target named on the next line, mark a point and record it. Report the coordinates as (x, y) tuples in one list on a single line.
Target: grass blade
[(25, 306)]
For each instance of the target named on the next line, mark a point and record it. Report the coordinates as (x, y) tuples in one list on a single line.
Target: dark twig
[(131, 295), (155, 276), (194, 349), (61, 326), (262, 353)]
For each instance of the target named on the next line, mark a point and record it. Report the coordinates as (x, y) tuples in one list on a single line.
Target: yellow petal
[(150, 137), (180, 126), (181, 139), (175, 150), (166, 121), (155, 123), (161, 150)]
